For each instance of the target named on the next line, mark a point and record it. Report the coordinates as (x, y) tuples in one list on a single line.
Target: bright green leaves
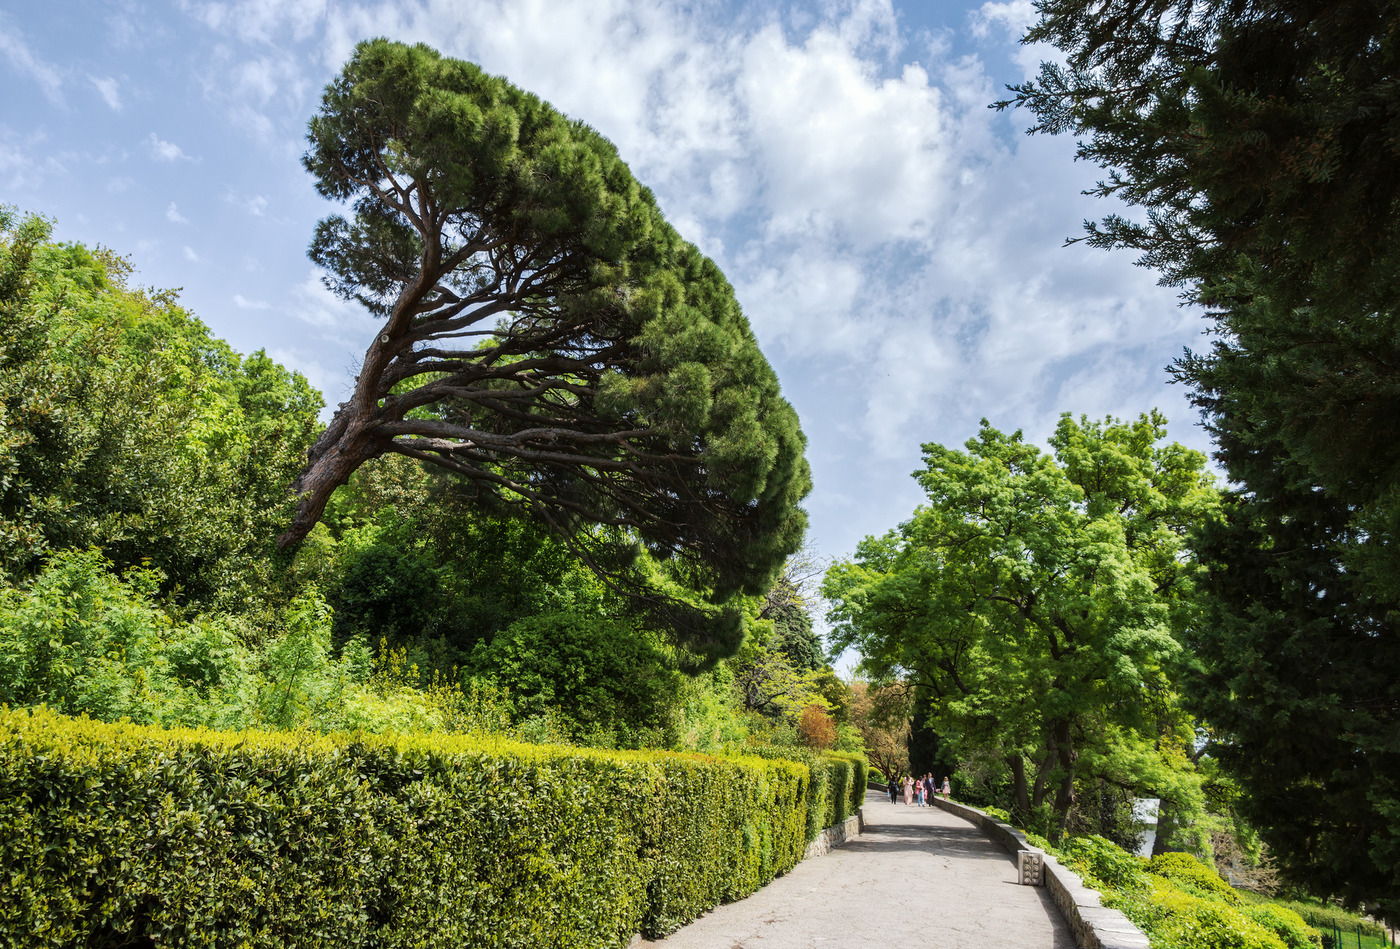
[(126, 426), (1034, 597), (119, 833)]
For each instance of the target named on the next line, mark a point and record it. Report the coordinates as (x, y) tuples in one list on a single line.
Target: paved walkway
[(918, 878)]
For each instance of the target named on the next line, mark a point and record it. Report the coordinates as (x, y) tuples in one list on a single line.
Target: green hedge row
[(836, 783), (116, 835)]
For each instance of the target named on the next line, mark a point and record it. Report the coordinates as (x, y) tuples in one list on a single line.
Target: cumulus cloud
[(313, 303), (162, 150), (896, 245), (190, 255), (173, 215), (243, 303)]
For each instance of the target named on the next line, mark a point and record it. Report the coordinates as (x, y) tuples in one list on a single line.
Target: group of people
[(918, 790)]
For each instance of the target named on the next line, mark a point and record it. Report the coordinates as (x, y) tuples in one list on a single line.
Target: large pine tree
[(546, 336)]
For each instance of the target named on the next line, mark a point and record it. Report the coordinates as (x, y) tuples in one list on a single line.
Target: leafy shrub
[(1105, 863), (121, 834), (836, 784), (1286, 924), (1181, 903), (1325, 916), (816, 729), (605, 677), (1190, 874), (1176, 919)]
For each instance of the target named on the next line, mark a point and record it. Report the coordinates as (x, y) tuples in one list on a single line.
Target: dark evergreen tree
[(547, 337), (1262, 138), (794, 635)]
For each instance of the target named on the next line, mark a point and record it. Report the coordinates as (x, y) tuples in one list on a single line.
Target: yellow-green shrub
[(111, 833), (1180, 903), (1105, 862), (1190, 874), (1286, 924), (1176, 919)]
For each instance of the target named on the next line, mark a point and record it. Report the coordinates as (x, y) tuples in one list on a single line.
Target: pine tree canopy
[(547, 337)]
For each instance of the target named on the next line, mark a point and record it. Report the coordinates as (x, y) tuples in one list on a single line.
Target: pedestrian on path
[(947, 791), (893, 788), (908, 790)]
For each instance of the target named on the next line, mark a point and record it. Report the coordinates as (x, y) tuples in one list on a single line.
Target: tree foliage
[(1260, 138), (1035, 599), (127, 427), (882, 716), (548, 338)]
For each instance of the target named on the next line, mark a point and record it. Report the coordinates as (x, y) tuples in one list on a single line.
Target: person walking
[(947, 791), (892, 786), (908, 790)]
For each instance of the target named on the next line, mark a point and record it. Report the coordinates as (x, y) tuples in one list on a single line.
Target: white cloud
[(107, 88), (173, 215), (347, 323), (162, 150), (256, 205), (243, 303), (881, 226), (24, 167), (190, 255), (1014, 16), (26, 61)]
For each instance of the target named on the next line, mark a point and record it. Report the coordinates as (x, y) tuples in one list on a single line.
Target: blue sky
[(895, 243)]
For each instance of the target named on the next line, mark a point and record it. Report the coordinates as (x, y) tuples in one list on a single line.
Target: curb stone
[(1095, 926), (836, 835)]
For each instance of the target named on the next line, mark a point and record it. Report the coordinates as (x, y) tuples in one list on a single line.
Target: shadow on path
[(916, 873)]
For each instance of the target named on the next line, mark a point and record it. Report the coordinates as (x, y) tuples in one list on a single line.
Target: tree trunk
[(1064, 794), (343, 447), (1165, 826), (1018, 775), (1041, 786)]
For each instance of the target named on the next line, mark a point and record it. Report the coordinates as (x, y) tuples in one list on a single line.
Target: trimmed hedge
[(836, 786), (114, 835)]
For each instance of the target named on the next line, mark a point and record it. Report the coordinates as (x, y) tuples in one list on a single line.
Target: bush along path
[(915, 873), (119, 834), (1115, 900)]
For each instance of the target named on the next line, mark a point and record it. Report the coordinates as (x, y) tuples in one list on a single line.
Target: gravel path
[(918, 878)]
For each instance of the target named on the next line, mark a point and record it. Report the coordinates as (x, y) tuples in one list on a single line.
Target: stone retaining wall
[(1095, 925), (836, 835)]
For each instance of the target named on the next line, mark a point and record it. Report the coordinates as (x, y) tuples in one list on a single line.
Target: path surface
[(918, 878)]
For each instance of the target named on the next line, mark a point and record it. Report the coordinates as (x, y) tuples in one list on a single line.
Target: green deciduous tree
[(548, 338), (127, 427), (1035, 599), (1260, 137)]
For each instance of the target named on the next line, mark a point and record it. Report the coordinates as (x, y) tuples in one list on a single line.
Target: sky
[(896, 244)]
